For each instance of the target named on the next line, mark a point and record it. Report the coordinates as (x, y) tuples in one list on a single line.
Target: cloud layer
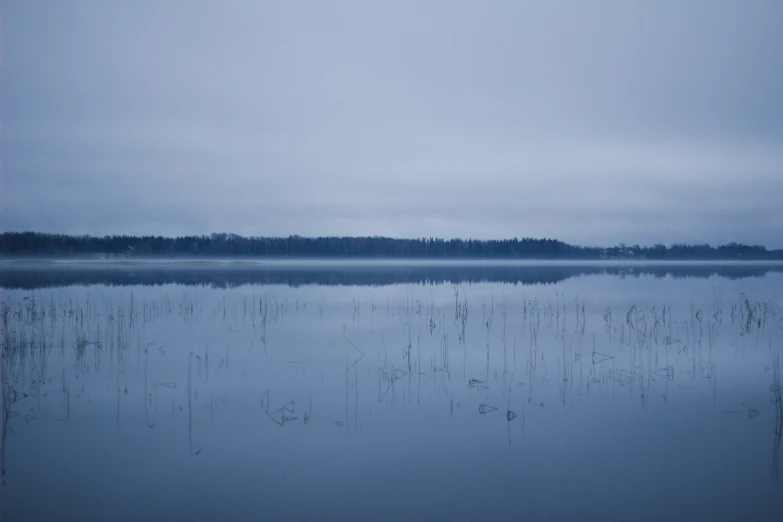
[(595, 123)]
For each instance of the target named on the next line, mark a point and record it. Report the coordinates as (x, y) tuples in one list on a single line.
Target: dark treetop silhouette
[(27, 244)]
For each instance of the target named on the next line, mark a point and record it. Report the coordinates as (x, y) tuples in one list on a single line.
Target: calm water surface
[(386, 392)]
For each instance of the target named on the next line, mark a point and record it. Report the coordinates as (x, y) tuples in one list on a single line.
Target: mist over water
[(380, 394)]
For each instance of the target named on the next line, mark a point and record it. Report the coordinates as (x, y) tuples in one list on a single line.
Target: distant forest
[(33, 244)]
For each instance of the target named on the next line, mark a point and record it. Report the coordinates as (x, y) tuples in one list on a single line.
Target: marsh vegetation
[(456, 401)]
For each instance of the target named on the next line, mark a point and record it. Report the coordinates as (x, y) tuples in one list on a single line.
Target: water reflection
[(198, 380), (31, 275)]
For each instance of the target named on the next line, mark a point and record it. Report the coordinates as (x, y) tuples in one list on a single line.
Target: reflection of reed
[(190, 407), (146, 397), (4, 406), (778, 416)]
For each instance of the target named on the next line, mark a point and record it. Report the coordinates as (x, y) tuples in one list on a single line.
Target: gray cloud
[(591, 122)]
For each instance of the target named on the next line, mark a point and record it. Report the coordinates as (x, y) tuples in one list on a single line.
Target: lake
[(391, 391)]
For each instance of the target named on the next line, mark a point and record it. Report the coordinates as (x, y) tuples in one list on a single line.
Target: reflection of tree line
[(42, 276)]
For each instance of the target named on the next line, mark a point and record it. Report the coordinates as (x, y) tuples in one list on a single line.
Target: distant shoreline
[(35, 245)]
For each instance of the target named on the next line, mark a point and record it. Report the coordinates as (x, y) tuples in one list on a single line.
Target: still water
[(391, 392)]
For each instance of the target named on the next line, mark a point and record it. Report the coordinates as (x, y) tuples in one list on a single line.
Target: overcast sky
[(592, 122)]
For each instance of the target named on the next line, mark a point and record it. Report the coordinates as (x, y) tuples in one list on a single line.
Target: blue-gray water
[(386, 392)]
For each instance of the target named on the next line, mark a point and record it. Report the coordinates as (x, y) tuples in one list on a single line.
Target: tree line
[(35, 244)]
